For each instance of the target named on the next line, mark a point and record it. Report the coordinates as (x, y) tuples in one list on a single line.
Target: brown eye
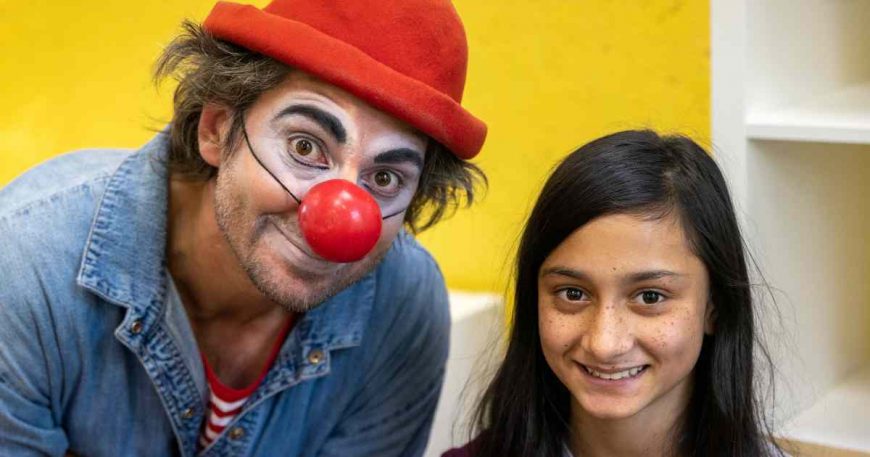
[(303, 147), (573, 294), (383, 179), (650, 297)]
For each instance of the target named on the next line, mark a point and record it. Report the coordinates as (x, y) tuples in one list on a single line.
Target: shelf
[(791, 121), (839, 117), (464, 305), (840, 419), (477, 326)]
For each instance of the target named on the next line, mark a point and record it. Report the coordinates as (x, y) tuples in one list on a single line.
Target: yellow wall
[(546, 75), (76, 74), (552, 76)]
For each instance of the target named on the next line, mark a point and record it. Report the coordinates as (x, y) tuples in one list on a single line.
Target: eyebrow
[(400, 155), (562, 271), (655, 274), (631, 278), (326, 120)]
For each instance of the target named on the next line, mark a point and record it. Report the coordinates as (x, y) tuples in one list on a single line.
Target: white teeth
[(615, 376)]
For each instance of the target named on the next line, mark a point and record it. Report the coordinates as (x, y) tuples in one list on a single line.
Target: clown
[(247, 283)]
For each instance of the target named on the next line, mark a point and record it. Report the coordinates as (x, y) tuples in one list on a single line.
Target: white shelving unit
[(840, 416), (791, 128), (476, 331), (840, 117)]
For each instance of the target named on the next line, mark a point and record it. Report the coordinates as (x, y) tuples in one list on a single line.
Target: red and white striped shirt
[(226, 402)]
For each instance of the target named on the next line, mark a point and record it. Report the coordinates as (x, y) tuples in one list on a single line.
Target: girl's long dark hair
[(525, 409)]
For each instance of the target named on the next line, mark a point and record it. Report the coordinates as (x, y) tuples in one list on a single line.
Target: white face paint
[(304, 132)]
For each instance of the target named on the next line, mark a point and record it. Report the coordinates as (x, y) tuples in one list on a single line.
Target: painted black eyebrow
[(326, 120), (400, 155)]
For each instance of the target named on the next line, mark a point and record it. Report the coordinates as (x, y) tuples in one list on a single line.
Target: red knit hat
[(405, 57)]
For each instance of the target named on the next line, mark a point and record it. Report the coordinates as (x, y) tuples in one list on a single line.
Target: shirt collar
[(124, 258)]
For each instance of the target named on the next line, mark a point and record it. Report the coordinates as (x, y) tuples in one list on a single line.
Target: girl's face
[(623, 307)]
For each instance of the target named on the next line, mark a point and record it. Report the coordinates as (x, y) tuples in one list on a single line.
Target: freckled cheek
[(671, 338), (559, 333)]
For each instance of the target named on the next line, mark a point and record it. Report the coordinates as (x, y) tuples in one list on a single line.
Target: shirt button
[(315, 357), (136, 327), (187, 413), (236, 433)]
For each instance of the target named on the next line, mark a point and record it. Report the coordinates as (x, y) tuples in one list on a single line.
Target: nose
[(608, 334), (340, 221), (350, 174)]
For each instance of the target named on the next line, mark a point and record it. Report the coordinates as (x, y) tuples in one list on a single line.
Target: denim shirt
[(95, 359)]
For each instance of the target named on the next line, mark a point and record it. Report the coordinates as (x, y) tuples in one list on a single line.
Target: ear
[(214, 123), (710, 318)]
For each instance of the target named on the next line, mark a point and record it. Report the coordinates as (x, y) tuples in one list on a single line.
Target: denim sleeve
[(28, 423), (30, 368), (393, 410)]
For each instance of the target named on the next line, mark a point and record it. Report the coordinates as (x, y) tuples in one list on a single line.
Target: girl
[(634, 329)]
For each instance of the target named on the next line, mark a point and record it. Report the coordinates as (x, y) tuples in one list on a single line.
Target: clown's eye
[(383, 178), (385, 183), (306, 151), (303, 147)]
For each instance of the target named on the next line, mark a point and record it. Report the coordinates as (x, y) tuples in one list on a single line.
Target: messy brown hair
[(211, 70)]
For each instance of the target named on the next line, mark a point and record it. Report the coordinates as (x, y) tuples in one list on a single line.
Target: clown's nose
[(340, 221)]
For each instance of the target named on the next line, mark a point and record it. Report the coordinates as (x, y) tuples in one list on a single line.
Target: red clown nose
[(340, 221)]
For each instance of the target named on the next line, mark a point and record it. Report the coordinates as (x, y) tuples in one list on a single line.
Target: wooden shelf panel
[(840, 419), (839, 117)]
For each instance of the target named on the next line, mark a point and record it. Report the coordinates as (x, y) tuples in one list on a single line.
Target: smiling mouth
[(301, 249), (628, 373)]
